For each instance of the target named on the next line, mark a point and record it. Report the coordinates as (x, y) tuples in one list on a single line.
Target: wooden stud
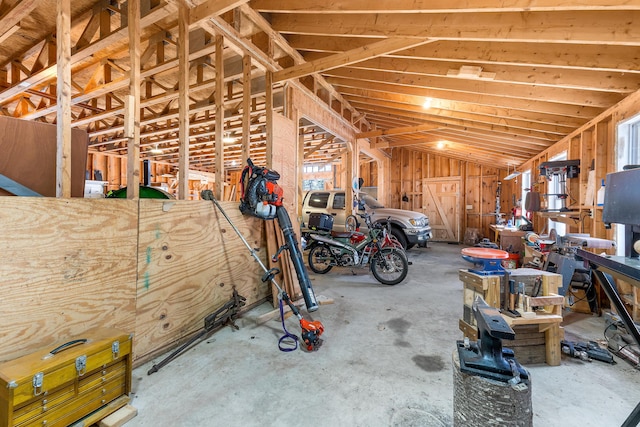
[(132, 102), (246, 108), (219, 102), (63, 153), (183, 102)]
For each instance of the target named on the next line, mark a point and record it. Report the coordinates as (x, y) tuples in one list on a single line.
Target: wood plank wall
[(595, 145), (152, 267), (479, 183)]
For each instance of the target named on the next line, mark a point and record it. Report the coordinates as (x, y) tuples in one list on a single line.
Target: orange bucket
[(511, 262)]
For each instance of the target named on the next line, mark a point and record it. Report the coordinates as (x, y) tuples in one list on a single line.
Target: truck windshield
[(371, 202)]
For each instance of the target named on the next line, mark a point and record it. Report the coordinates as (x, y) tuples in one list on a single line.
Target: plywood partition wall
[(67, 265), (152, 267), (189, 260)]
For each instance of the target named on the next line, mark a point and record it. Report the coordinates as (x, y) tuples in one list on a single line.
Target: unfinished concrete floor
[(385, 361)]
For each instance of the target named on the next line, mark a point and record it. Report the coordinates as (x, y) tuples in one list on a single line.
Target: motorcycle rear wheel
[(320, 259), (389, 266)]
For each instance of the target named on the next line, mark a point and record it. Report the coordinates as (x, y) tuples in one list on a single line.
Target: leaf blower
[(261, 196)]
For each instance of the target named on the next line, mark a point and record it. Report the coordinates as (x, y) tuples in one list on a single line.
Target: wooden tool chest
[(60, 385)]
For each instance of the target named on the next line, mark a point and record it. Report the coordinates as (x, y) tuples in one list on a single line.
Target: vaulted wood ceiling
[(505, 79)]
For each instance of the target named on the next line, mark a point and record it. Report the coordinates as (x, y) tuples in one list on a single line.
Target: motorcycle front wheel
[(320, 259), (389, 266)]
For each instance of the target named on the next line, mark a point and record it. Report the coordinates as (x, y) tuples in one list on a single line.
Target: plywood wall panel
[(68, 265), (189, 259), (29, 155)]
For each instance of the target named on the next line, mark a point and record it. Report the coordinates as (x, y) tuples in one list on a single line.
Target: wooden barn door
[(441, 203)]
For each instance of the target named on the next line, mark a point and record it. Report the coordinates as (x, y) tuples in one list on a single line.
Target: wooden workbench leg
[(552, 344)]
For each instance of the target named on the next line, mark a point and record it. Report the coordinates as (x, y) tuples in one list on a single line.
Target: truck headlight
[(420, 222)]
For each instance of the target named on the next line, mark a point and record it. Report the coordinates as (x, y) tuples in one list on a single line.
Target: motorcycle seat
[(341, 234)]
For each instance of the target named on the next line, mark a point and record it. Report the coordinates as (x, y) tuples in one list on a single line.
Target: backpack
[(260, 192)]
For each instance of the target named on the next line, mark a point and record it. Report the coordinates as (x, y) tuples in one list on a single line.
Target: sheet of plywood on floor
[(69, 265), (189, 260), (29, 155)]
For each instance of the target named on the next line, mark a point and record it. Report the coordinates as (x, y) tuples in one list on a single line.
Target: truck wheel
[(399, 234)]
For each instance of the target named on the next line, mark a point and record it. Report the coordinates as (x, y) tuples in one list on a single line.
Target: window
[(319, 200), (526, 187), (313, 184), (338, 201), (628, 153)]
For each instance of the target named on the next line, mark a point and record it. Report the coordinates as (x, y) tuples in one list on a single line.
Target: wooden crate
[(474, 285), (550, 281), (90, 374)]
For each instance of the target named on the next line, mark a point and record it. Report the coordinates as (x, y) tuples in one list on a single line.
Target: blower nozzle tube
[(296, 256)]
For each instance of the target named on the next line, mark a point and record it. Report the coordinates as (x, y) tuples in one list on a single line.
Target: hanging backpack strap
[(246, 172)]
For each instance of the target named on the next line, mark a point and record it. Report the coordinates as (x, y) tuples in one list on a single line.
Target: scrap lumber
[(119, 417), (272, 247)]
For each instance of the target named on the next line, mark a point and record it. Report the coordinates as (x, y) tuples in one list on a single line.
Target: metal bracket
[(81, 365), (37, 383), (115, 349)]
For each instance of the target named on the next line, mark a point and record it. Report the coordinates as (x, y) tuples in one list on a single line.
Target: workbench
[(537, 338), (508, 239)]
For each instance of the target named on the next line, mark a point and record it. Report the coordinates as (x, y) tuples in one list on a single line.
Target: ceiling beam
[(549, 76), (476, 98), (615, 27), (398, 131), (572, 56), (579, 97), (458, 110), (349, 57), (435, 6), (12, 17)]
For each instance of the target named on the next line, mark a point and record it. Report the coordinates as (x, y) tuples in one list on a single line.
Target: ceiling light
[(440, 145), (228, 139), (427, 103), (512, 175), (156, 150), (471, 72)]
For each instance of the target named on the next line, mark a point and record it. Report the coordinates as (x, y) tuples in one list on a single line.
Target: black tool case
[(320, 222)]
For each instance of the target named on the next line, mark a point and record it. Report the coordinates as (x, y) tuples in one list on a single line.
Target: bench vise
[(486, 357)]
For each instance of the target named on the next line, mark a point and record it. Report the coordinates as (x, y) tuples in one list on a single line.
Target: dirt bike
[(387, 262)]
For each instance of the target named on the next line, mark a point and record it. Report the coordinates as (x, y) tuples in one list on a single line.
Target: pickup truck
[(409, 227)]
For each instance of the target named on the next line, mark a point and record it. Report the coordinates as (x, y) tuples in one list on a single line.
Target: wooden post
[(351, 153), (246, 108), (268, 106), (219, 100), (183, 102), (63, 151), (132, 104)]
